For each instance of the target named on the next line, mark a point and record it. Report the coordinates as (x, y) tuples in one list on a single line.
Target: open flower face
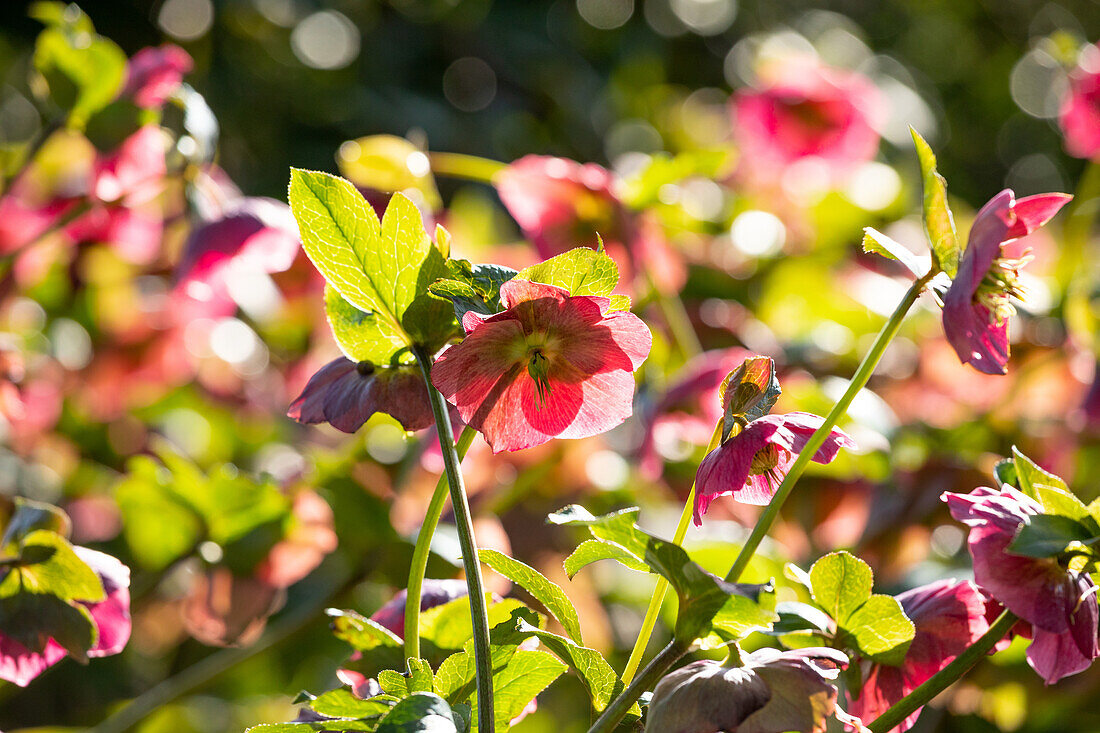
[(978, 304), (549, 366), (750, 465), (948, 616), (1059, 603)]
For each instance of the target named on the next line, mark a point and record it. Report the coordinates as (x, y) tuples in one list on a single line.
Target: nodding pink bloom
[(803, 110), (688, 412), (345, 394), (549, 366), (1060, 604), (561, 204), (771, 692), (111, 616), (750, 465), (153, 74), (978, 305), (949, 616), (1079, 117)]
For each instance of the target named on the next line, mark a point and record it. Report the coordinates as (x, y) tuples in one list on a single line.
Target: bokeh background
[(607, 81)]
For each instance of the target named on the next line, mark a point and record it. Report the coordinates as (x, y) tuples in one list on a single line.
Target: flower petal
[(1034, 211)]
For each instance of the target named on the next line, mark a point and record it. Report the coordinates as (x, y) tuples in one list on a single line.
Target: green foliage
[(643, 189), (382, 163), (748, 393), (581, 271), (1052, 535), (874, 625), (421, 712), (545, 591), (82, 70), (876, 242), (359, 334), (591, 551), (382, 268), (939, 222), (472, 287)]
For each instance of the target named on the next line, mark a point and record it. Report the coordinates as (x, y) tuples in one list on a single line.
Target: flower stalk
[(422, 550), (650, 675), (859, 380), (469, 167), (470, 562), (940, 681)]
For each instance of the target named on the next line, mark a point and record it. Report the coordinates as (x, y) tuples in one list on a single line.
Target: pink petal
[(112, 615), (20, 665), (137, 163), (1054, 656), (154, 73), (517, 291), (1034, 211)]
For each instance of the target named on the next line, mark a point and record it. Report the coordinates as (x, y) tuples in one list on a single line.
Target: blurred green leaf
[(30, 515), (388, 163), (363, 634), (939, 223)]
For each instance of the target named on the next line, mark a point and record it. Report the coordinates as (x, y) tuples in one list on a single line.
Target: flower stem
[(862, 375), (470, 562), (659, 593), (679, 323), (648, 679), (423, 548), (940, 681), (470, 167)]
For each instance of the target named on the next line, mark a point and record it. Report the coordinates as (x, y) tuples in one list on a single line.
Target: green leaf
[(382, 163), (876, 242), (545, 591), (83, 71), (841, 584), (32, 619), (363, 634), (343, 703), (880, 630), (642, 190), (382, 268), (526, 674), (748, 393), (939, 223), (1005, 472), (590, 551), (419, 712), (418, 677), (448, 626), (48, 565), (472, 287), (1049, 535), (31, 515), (1030, 475), (581, 271), (362, 335)]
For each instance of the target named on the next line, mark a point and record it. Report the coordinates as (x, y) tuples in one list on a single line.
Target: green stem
[(658, 599), (940, 681), (470, 167), (648, 679), (863, 373), (679, 324), (470, 562), (423, 548)]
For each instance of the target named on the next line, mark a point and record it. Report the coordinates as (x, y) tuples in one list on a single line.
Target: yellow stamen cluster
[(1000, 285)]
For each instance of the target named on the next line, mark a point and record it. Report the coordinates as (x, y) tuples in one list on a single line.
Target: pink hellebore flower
[(1060, 604), (20, 665), (751, 464), (549, 366), (804, 110), (154, 73), (977, 306), (1079, 117), (345, 394), (949, 616)]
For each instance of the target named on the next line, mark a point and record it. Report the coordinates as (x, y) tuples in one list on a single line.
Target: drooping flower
[(154, 73), (1079, 116), (978, 305), (772, 692), (750, 465), (345, 394), (949, 616), (1059, 603), (20, 664), (549, 366), (803, 110), (560, 204)]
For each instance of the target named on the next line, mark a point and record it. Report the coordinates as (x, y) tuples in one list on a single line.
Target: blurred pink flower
[(750, 465), (345, 395), (549, 366), (154, 73), (111, 616), (1060, 604), (977, 306), (1079, 116), (561, 204), (805, 110), (949, 616)]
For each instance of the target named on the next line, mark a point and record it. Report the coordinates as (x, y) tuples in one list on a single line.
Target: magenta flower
[(1060, 604), (1079, 116), (772, 692), (977, 306), (949, 616), (750, 465), (155, 73), (345, 394), (549, 366), (111, 616), (805, 110)]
